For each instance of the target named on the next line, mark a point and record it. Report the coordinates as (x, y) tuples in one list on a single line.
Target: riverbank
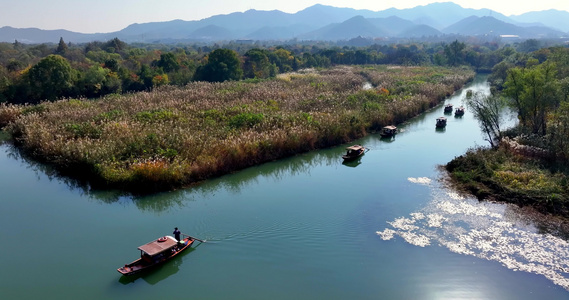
[(510, 176), (173, 137)]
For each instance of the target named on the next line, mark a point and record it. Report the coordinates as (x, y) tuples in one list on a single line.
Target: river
[(305, 227)]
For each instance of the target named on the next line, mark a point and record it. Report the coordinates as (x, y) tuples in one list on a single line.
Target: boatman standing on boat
[(177, 234)]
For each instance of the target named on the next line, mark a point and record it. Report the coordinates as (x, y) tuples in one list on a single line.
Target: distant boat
[(459, 111), (448, 108), (441, 122), (155, 253), (388, 131), (353, 152)]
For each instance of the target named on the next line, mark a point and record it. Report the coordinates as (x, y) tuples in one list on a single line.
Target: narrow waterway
[(306, 227)]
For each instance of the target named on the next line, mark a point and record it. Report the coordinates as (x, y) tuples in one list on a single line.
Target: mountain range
[(322, 23)]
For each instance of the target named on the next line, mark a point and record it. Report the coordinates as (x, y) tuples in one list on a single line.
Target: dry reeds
[(174, 136)]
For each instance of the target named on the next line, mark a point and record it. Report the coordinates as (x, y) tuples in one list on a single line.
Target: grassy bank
[(504, 174), (175, 136)]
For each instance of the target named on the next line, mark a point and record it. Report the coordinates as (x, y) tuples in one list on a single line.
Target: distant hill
[(491, 26), (278, 33), (37, 36), (555, 19), (354, 27), (211, 33), (418, 31), (440, 15), (319, 22), (392, 25)]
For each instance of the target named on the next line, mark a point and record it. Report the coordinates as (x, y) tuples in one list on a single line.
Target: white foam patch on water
[(420, 180), (435, 220), (481, 229), (454, 195)]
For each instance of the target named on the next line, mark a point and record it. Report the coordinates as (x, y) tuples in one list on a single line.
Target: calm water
[(307, 227)]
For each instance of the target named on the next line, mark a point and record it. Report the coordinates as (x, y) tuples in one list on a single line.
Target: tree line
[(527, 164), (535, 86), (34, 73)]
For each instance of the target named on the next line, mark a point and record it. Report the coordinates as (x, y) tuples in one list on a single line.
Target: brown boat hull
[(141, 265)]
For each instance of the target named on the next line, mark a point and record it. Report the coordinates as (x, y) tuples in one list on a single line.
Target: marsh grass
[(176, 136), (503, 175)]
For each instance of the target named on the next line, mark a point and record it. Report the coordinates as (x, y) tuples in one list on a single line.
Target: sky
[(90, 16)]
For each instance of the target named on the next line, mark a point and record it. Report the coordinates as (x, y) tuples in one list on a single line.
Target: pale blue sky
[(89, 16)]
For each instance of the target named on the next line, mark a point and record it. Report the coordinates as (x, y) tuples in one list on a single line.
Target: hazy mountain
[(354, 27), (38, 36), (279, 33), (419, 31), (440, 15), (556, 19), (212, 33), (318, 22), (393, 25), (490, 26), (321, 15)]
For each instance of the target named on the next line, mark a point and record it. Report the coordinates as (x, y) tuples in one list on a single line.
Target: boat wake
[(483, 230)]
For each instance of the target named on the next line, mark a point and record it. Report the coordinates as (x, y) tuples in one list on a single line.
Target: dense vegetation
[(171, 127), (527, 165), (33, 73), (173, 136)]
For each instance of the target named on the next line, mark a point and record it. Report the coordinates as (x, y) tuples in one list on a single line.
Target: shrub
[(246, 120)]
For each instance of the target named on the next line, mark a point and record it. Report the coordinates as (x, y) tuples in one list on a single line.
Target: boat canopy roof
[(355, 147), (441, 119), (156, 247), (390, 127)]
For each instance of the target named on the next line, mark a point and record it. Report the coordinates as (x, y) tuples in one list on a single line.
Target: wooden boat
[(353, 152), (441, 122), (448, 108), (459, 111), (155, 253), (388, 131)]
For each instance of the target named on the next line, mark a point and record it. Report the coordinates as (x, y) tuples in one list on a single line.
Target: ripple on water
[(479, 229)]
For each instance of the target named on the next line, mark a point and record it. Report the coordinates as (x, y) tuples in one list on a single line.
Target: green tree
[(146, 75), (283, 59), (61, 47), (4, 85), (559, 131), (454, 52), (98, 81), (529, 46), (114, 46), (168, 62), (222, 65), (488, 110), (51, 78), (257, 64), (533, 93), (112, 64)]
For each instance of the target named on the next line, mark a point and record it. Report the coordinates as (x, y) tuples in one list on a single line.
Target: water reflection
[(353, 163), (489, 231), (159, 273), (387, 139), (159, 202)]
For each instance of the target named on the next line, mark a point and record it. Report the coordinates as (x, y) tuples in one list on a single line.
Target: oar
[(193, 238)]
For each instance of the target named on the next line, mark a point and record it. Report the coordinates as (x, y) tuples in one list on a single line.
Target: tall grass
[(175, 136), (507, 175)]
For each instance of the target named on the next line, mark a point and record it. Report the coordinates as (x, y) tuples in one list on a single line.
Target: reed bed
[(175, 136)]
